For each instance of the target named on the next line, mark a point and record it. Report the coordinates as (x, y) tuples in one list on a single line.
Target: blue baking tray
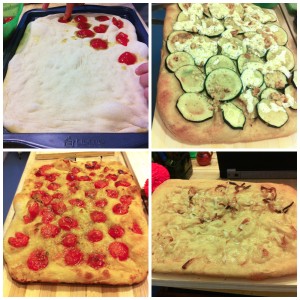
[(73, 140)]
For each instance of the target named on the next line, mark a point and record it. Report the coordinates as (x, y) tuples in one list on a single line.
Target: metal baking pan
[(73, 140)]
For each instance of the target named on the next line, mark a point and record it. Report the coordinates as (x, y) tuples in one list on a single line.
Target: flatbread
[(211, 131), (78, 222), (224, 229), (56, 82)]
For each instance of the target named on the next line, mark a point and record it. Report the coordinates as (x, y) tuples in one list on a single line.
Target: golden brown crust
[(211, 131), (115, 272), (221, 228)]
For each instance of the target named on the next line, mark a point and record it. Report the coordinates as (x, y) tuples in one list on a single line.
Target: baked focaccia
[(78, 222), (224, 229), (226, 74)]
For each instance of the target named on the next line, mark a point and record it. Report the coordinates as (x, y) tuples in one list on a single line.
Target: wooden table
[(13, 289), (286, 286), (161, 137)]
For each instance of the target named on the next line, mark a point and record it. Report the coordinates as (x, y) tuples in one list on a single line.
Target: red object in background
[(204, 158), (7, 19), (159, 175)]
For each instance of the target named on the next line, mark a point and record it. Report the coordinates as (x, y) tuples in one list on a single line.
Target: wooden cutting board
[(12, 288), (161, 137)]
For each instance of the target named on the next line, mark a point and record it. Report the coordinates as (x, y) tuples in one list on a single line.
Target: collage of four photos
[(149, 149)]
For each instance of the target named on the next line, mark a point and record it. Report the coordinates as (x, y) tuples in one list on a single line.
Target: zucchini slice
[(181, 37), (191, 79), (219, 61), (271, 113), (233, 116), (201, 48), (252, 78), (276, 80), (283, 55), (277, 32), (270, 93), (247, 57), (211, 27), (176, 60), (219, 10), (195, 107), (271, 14), (231, 24), (223, 84), (295, 78), (255, 44), (291, 95), (232, 48), (184, 6), (182, 17)]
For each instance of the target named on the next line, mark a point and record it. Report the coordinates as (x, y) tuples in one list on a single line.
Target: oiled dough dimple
[(56, 82)]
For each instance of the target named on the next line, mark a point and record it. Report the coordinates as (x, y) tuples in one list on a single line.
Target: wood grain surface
[(162, 139), (12, 288)]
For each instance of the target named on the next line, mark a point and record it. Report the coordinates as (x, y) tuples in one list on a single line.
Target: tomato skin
[(120, 209), (37, 260), (119, 251), (116, 231), (98, 216), (73, 257), (95, 235), (112, 193), (96, 261), (49, 231), (127, 58), (126, 199), (67, 223), (69, 240), (20, 240)]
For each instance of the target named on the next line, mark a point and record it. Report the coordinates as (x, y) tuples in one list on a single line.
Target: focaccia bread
[(77, 76), (226, 75), (224, 229), (78, 222)]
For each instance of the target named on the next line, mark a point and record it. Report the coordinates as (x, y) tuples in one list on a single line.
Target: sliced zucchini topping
[(200, 47), (195, 107), (233, 115), (223, 84), (238, 55), (248, 57), (232, 48), (291, 97), (233, 25), (178, 59), (281, 55), (295, 78), (217, 62), (255, 43), (271, 113), (178, 40), (211, 27), (275, 80), (191, 78), (277, 33), (182, 17), (270, 93), (252, 78), (219, 10)]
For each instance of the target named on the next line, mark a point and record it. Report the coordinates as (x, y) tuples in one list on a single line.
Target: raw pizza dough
[(228, 229), (56, 82), (211, 131), (78, 222)]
